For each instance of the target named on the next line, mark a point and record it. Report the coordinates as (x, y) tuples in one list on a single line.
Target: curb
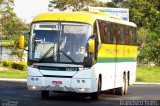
[(146, 83), (13, 80)]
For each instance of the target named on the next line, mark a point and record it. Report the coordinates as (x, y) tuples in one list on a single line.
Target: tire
[(44, 94), (124, 89), (95, 95), (126, 86)]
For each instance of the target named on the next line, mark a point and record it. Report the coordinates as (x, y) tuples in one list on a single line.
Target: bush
[(20, 65), (16, 65), (7, 63)]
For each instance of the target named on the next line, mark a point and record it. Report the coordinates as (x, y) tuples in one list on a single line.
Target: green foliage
[(11, 24), (16, 51), (74, 5), (111, 4), (146, 14), (6, 6), (149, 50), (16, 65), (7, 63), (20, 66), (142, 35), (153, 45), (7, 43)]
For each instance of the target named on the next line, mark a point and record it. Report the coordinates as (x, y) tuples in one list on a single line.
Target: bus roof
[(80, 16)]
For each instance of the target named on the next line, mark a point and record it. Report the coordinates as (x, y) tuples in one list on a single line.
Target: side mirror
[(21, 42), (91, 45), (92, 36)]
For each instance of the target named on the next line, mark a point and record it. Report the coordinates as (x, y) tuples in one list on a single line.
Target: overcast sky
[(27, 9)]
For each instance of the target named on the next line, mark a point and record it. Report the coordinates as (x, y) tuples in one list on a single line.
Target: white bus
[(81, 52)]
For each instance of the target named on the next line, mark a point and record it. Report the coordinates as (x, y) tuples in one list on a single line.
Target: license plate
[(57, 82)]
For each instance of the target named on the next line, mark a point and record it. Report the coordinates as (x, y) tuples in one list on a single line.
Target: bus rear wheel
[(44, 94), (124, 89), (95, 95)]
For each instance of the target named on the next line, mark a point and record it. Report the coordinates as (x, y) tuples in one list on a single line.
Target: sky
[(27, 9)]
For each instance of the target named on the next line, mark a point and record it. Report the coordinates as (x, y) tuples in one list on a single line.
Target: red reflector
[(57, 82)]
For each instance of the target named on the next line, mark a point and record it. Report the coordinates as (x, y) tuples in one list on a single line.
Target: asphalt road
[(16, 94)]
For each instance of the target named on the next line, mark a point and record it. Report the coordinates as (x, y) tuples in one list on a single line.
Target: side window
[(118, 34), (131, 35), (109, 32), (112, 33), (106, 31), (122, 34), (127, 37), (101, 29)]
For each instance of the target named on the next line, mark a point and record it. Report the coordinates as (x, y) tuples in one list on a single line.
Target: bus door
[(107, 54)]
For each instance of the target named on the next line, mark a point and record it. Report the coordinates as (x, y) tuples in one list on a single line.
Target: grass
[(13, 73), (148, 74)]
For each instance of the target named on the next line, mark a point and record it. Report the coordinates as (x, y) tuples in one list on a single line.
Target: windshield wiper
[(68, 57), (48, 51)]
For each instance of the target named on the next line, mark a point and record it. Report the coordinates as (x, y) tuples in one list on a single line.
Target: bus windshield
[(59, 42)]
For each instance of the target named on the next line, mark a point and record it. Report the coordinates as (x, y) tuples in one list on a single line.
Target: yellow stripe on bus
[(112, 51)]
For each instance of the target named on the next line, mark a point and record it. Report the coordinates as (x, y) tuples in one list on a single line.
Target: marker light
[(82, 89), (34, 87), (81, 69)]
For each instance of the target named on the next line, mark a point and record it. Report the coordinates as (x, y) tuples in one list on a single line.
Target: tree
[(74, 5), (11, 24), (6, 12), (6, 7), (19, 53), (145, 13), (150, 51)]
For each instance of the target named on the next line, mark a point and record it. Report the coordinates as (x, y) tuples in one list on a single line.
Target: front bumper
[(78, 85)]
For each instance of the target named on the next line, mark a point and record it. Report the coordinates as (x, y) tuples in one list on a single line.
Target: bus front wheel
[(44, 94)]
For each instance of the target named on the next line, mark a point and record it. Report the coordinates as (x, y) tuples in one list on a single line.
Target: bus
[(81, 52)]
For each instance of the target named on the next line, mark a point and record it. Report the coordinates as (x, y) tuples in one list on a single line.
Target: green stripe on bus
[(110, 60)]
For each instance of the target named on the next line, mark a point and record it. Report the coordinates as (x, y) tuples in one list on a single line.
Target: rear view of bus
[(62, 55)]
